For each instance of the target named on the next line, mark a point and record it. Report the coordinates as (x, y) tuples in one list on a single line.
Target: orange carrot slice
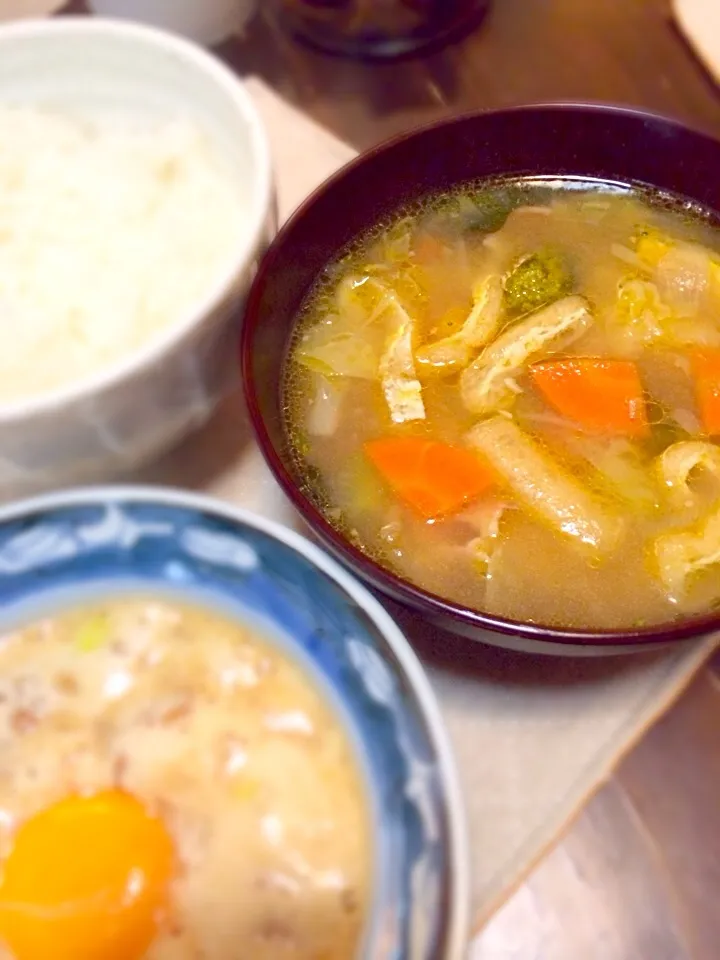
[(428, 248), (434, 478), (706, 370), (605, 396)]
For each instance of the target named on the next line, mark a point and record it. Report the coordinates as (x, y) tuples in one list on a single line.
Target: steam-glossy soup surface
[(511, 397), (172, 787)]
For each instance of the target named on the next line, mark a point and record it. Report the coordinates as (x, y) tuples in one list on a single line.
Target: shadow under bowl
[(569, 140)]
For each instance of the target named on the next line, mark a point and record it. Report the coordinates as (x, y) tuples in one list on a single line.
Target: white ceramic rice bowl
[(113, 421)]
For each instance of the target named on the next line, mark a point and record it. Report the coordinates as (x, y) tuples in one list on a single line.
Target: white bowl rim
[(257, 214), (458, 926)]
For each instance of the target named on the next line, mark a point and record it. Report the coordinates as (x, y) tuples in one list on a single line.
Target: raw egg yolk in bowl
[(87, 879)]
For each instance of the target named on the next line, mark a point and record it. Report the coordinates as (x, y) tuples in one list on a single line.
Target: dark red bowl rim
[(388, 583)]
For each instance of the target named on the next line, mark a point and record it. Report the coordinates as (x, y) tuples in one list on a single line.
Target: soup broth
[(510, 396), (208, 798)]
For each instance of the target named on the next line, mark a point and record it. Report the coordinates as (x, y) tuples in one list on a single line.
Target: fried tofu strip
[(683, 554), (487, 384), (677, 463), (400, 385), (544, 488), (482, 324)]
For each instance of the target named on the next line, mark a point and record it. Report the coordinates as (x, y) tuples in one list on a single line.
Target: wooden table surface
[(637, 877), (626, 51)]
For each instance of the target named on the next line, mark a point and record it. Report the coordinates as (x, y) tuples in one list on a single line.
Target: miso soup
[(510, 396)]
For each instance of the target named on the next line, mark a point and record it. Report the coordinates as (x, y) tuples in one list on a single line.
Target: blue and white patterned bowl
[(68, 547)]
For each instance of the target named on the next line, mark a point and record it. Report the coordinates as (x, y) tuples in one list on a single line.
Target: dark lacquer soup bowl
[(585, 142)]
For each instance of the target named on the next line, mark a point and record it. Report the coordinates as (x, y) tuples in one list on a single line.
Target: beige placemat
[(533, 738), (699, 21), (23, 9)]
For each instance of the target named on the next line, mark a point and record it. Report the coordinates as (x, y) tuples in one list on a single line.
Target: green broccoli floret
[(536, 280)]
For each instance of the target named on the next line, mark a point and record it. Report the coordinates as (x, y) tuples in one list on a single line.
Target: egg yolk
[(87, 879)]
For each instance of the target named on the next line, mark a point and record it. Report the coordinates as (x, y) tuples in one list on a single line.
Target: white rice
[(110, 232)]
